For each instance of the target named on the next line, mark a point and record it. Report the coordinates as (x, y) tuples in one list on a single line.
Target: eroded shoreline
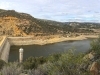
[(31, 41)]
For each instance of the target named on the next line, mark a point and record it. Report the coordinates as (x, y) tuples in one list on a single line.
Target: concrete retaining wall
[(4, 49), (8, 41)]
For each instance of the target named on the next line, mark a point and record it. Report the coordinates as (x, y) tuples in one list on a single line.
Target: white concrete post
[(21, 55)]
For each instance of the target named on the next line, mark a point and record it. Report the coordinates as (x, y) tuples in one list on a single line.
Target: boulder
[(89, 56), (95, 68)]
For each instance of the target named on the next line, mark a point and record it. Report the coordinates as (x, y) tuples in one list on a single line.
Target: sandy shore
[(30, 40), (60, 39)]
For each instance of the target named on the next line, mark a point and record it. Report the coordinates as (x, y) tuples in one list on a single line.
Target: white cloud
[(56, 9)]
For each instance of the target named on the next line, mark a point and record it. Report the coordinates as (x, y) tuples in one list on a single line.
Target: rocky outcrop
[(95, 68), (89, 56)]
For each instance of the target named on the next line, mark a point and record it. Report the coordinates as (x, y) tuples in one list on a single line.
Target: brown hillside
[(20, 24), (13, 23)]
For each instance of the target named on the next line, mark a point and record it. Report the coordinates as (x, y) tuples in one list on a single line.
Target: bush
[(11, 69), (33, 62), (67, 64), (2, 63), (95, 45), (36, 72), (54, 57)]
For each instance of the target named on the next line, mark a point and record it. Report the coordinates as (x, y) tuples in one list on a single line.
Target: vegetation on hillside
[(12, 69), (13, 23), (2, 63), (66, 63), (95, 44)]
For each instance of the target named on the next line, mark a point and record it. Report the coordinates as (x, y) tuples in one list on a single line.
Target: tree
[(95, 45)]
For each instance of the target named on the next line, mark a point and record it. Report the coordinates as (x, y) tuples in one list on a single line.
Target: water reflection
[(45, 50)]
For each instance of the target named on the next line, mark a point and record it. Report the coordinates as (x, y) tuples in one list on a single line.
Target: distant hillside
[(13, 23)]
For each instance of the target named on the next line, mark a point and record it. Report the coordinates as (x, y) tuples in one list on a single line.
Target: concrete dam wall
[(8, 41), (4, 50)]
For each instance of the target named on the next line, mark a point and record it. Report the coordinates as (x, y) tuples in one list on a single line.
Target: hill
[(13, 23)]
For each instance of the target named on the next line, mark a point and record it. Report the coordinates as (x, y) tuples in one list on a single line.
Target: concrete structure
[(8, 41), (5, 49), (95, 68), (21, 50)]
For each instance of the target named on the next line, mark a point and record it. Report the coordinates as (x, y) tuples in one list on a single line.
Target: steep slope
[(13, 23)]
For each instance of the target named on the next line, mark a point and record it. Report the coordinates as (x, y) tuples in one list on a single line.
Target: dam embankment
[(8, 41), (4, 49)]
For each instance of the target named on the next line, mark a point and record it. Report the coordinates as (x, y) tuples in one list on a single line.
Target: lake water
[(45, 50)]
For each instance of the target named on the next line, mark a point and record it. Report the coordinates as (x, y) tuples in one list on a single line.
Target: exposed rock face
[(13, 23), (95, 68), (89, 56), (8, 26)]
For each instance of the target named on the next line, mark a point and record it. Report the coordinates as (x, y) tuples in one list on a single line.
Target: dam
[(4, 49), (7, 42)]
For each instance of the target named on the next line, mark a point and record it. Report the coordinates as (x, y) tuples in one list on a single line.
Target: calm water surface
[(45, 50)]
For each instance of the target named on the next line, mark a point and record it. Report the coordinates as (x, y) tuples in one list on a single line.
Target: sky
[(57, 10)]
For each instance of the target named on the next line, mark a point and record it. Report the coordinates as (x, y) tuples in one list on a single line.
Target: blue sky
[(58, 10)]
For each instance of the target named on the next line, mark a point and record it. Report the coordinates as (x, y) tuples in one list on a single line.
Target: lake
[(45, 50)]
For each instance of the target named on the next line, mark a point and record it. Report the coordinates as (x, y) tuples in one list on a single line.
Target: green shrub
[(11, 69), (2, 63), (36, 72), (54, 57), (95, 45), (67, 64), (33, 62)]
